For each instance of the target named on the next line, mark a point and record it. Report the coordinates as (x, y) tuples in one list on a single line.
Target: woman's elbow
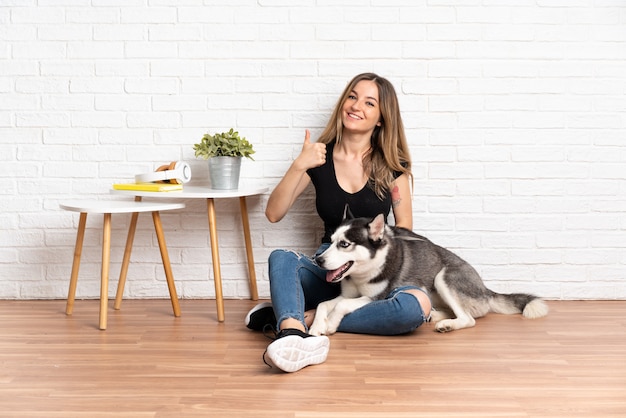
[(272, 217)]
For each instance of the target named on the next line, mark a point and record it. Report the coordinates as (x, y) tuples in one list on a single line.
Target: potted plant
[(224, 152)]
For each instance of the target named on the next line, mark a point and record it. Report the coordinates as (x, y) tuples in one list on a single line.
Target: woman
[(361, 159)]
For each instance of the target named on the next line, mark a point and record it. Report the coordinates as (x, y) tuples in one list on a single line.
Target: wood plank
[(149, 363)]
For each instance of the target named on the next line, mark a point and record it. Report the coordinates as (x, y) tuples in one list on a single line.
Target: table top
[(117, 206), (195, 192)]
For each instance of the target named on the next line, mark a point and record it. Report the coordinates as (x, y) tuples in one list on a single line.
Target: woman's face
[(361, 110)]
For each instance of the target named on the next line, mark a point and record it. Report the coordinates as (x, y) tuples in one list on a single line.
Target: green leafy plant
[(225, 144)]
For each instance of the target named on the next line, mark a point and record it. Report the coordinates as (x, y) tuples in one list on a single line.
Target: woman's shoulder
[(397, 174)]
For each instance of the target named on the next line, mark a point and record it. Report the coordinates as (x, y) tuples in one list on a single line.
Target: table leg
[(254, 293), (78, 250), (166, 262), (126, 260), (215, 253), (106, 258)]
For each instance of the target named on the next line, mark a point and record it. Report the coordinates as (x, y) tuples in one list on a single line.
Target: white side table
[(198, 192), (108, 207)]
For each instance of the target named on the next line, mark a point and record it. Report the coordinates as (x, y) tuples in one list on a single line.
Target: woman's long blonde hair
[(389, 150)]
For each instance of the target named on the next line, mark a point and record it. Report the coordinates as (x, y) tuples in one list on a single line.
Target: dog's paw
[(316, 332), (461, 322), (330, 330), (333, 323), (446, 325), (318, 328)]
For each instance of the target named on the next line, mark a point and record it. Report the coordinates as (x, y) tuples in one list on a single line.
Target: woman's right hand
[(295, 180), (312, 154)]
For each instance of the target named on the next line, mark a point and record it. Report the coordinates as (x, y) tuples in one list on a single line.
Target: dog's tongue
[(332, 275)]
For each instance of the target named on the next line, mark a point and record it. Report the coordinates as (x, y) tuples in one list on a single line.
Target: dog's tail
[(529, 305)]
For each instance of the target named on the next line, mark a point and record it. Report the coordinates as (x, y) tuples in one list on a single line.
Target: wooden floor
[(150, 364)]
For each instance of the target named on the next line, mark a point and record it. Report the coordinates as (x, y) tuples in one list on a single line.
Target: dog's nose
[(319, 260)]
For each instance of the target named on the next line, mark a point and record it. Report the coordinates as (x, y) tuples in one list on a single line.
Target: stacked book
[(149, 187)]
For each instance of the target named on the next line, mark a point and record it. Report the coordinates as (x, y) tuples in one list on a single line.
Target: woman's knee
[(280, 255), (276, 255), (411, 313), (423, 300), (281, 259)]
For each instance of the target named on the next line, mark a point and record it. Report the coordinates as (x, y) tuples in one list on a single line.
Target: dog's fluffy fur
[(371, 258)]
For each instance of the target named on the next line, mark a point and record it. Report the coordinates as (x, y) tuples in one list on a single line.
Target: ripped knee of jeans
[(422, 298)]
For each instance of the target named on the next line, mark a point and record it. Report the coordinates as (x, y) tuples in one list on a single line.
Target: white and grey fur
[(371, 258)]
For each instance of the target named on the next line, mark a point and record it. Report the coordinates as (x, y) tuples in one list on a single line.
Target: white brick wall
[(515, 111)]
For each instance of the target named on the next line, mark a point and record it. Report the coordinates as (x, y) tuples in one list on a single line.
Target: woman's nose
[(356, 105)]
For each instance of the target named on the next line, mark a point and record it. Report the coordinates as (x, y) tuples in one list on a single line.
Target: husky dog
[(371, 258)]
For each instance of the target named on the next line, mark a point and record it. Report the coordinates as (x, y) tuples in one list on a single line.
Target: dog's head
[(358, 249)]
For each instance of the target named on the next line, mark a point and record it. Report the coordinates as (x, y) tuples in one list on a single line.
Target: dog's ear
[(347, 214), (376, 228)]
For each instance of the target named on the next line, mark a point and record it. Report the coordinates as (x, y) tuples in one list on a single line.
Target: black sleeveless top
[(330, 198)]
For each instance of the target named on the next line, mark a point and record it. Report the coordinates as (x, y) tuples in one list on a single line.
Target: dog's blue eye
[(344, 244)]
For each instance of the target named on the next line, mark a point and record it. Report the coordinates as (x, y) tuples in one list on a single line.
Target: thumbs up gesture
[(313, 154)]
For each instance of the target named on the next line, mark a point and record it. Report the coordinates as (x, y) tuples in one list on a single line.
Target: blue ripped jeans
[(298, 284)]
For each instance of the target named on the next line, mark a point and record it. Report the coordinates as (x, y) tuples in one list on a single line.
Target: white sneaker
[(293, 350)]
